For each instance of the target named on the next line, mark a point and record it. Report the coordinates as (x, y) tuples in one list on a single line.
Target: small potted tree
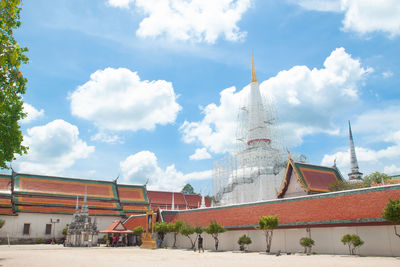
[(244, 241), (162, 229), (268, 224), (187, 230), (175, 229)]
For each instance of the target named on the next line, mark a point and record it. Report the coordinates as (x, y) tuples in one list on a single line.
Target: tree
[(12, 83), (307, 242), (214, 229), (353, 241), (1, 223), (243, 241), (268, 224), (137, 231), (188, 189), (175, 228), (187, 230), (65, 230), (377, 178), (161, 228), (346, 185), (391, 213)]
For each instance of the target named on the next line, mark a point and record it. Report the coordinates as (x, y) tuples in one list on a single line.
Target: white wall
[(14, 225), (379, 240)]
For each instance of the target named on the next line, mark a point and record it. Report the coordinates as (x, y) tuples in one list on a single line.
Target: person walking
[(200, 244)]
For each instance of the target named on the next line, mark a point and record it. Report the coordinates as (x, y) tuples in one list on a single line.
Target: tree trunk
[(350, 249), (175, 234), (192, 242), (216, 242), (395, 231), (269, 240)]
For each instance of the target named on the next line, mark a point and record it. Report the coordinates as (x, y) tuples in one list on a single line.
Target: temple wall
[(379, 240), (14, 225)]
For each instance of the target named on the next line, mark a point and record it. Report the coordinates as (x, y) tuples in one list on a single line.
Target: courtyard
[(59, 256)]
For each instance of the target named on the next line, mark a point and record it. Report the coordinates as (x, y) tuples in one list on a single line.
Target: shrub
[(187, 230), (175, 229), (161, 228), (39, 240), (1, 223), (65, 230), (138, 230), (243, 241), (307, 243), (353, 241)]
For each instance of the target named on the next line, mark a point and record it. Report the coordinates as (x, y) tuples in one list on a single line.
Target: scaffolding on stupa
[(254, 171)]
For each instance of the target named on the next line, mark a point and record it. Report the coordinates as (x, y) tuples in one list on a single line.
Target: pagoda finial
[(354, 174), (253, 71)]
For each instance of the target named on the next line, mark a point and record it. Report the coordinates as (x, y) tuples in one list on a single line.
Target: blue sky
[(148, 89)]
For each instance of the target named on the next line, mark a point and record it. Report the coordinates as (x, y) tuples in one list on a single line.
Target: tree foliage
[(353, 242), (65, 230), (188, 230), (376, 178), (268, 224), (391, 213), (214, 229), (188, 189), (346, 185), (138, 230), (161, 228), (12, 83), (307, 243), (1, 223), (175, 228), (244, 241)]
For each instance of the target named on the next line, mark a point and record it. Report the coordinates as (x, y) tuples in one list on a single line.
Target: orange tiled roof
[(360, 206), (134, 221), (161, 198), (194, 200), (313, 178), (116, 227), (132, 194)]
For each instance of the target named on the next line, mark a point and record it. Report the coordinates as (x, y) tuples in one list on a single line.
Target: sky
[(148, 90)]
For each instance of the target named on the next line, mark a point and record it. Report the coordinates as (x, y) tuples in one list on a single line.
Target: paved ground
[(58, 256)]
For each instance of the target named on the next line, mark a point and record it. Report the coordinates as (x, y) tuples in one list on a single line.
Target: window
[(48, 229), (27, 227)]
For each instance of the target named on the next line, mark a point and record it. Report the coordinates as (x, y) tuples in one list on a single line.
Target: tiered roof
[(353, 207), (163, 200), (313, 179), (47, 194), (5, 195)]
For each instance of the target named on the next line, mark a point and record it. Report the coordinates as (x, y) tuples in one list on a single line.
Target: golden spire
[(253, 71)]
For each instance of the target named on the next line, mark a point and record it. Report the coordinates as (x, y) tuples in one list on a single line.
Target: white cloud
[(143, 166), (320, 5), (106, 138), (120, 3), (53, 148), (31, 113), (194, 20), (387, 74), (116, 99), (200, 153), (374, 127), (362, 16), (308, 100)]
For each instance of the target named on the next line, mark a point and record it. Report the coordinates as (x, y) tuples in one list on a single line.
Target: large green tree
[(188, 189), (376, 177), (12, 83), (175, 228)]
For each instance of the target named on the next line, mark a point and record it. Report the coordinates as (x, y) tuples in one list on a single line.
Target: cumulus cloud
[(143, 166), (374, 127), (31, 113), (194, 20), (308, 101), (119, 3), (364, 16), (106, 138), (200, 153), (53, 148), (116, 99)]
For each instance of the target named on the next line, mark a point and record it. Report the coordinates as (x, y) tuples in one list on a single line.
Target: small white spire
[(173, 202)]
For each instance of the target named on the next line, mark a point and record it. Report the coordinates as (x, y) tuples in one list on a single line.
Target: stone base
[(148, 242)]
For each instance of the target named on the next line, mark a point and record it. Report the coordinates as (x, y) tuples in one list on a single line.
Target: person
[(120, 241), (200, 244), (115, 241)]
